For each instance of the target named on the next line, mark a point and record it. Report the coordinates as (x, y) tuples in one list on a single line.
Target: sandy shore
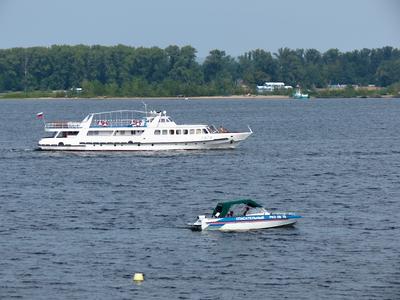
[(255, 97), (241, 97), (244, 97)]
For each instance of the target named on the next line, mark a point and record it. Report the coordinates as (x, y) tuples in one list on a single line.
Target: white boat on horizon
[(242, 215), (299, 95), (133, 130)]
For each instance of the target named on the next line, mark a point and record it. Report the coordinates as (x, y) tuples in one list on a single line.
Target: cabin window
[(191, 131), (162, 120), (205, 131), (178, 131), (98, 132), (165, 132), (119, 132), (136, 132), (172, 132), (64, 134), (185, 131), (198, 131), (157, 132)]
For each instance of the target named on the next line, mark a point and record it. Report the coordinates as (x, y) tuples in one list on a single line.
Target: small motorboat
[(241, 215), (299, 95)]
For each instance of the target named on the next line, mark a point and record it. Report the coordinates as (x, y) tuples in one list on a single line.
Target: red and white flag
[(40, 115)]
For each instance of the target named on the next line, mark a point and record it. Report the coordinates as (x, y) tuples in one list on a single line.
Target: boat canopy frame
[(120, 118), (223, 207)]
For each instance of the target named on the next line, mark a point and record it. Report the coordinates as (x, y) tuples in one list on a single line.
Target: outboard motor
[(197, 226)]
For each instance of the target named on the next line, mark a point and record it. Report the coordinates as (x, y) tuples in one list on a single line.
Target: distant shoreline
[(257, 97), (235, 97)]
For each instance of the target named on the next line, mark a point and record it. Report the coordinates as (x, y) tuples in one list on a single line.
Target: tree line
[(128, 71)]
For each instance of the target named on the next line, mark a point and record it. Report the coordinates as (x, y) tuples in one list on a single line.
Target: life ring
[(102, 123), (136, 123)]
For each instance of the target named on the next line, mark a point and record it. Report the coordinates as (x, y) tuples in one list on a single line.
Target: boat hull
[(246, 222), (223, 141)]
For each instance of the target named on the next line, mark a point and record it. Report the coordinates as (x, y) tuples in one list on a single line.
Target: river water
[(79, 225)]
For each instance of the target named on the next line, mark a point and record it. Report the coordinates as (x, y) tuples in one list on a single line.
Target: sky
[(235, 26)]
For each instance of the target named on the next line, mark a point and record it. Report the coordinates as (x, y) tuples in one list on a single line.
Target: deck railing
[(118, 123), (62, 125)]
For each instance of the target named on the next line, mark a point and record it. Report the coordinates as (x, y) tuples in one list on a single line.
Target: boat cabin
[(237, 208)]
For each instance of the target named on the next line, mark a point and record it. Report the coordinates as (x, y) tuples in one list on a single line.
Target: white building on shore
[(272, 86)]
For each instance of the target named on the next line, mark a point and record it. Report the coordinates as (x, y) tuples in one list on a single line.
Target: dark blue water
[(79, 225)]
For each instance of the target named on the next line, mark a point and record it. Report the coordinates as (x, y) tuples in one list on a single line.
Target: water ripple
[(79, 225)]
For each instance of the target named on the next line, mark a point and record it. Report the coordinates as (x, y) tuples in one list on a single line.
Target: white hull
[(220, 141), (256, 225), (245, 223)]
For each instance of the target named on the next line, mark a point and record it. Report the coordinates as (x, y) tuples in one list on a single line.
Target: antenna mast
[(145, 107)]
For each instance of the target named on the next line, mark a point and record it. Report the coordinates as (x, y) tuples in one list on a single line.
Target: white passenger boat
[(241, 215), (131, 130)]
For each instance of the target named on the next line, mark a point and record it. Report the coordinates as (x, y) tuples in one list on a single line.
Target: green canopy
[(223, 207)]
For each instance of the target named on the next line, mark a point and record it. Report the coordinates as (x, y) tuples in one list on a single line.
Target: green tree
[(183, 66), (130, 71), (257, 67), (291, 66), (388, 72)]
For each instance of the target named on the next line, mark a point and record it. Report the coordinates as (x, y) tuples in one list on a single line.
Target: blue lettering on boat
[(250, 218)]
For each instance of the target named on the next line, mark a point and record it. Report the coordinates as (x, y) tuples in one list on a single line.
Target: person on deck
[(246, 210)]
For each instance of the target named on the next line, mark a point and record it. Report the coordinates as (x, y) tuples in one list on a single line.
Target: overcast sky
[(235, 26)]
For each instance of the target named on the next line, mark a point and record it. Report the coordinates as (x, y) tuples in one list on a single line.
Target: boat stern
[(199, 225)]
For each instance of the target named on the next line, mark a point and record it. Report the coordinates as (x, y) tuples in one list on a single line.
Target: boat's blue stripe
[(224, 221)]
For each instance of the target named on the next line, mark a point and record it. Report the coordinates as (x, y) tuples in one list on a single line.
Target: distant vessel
[(131, 130), (299, 95), (244, 214)]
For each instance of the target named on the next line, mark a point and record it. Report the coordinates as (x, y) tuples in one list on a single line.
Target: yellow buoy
[(138, 277)]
